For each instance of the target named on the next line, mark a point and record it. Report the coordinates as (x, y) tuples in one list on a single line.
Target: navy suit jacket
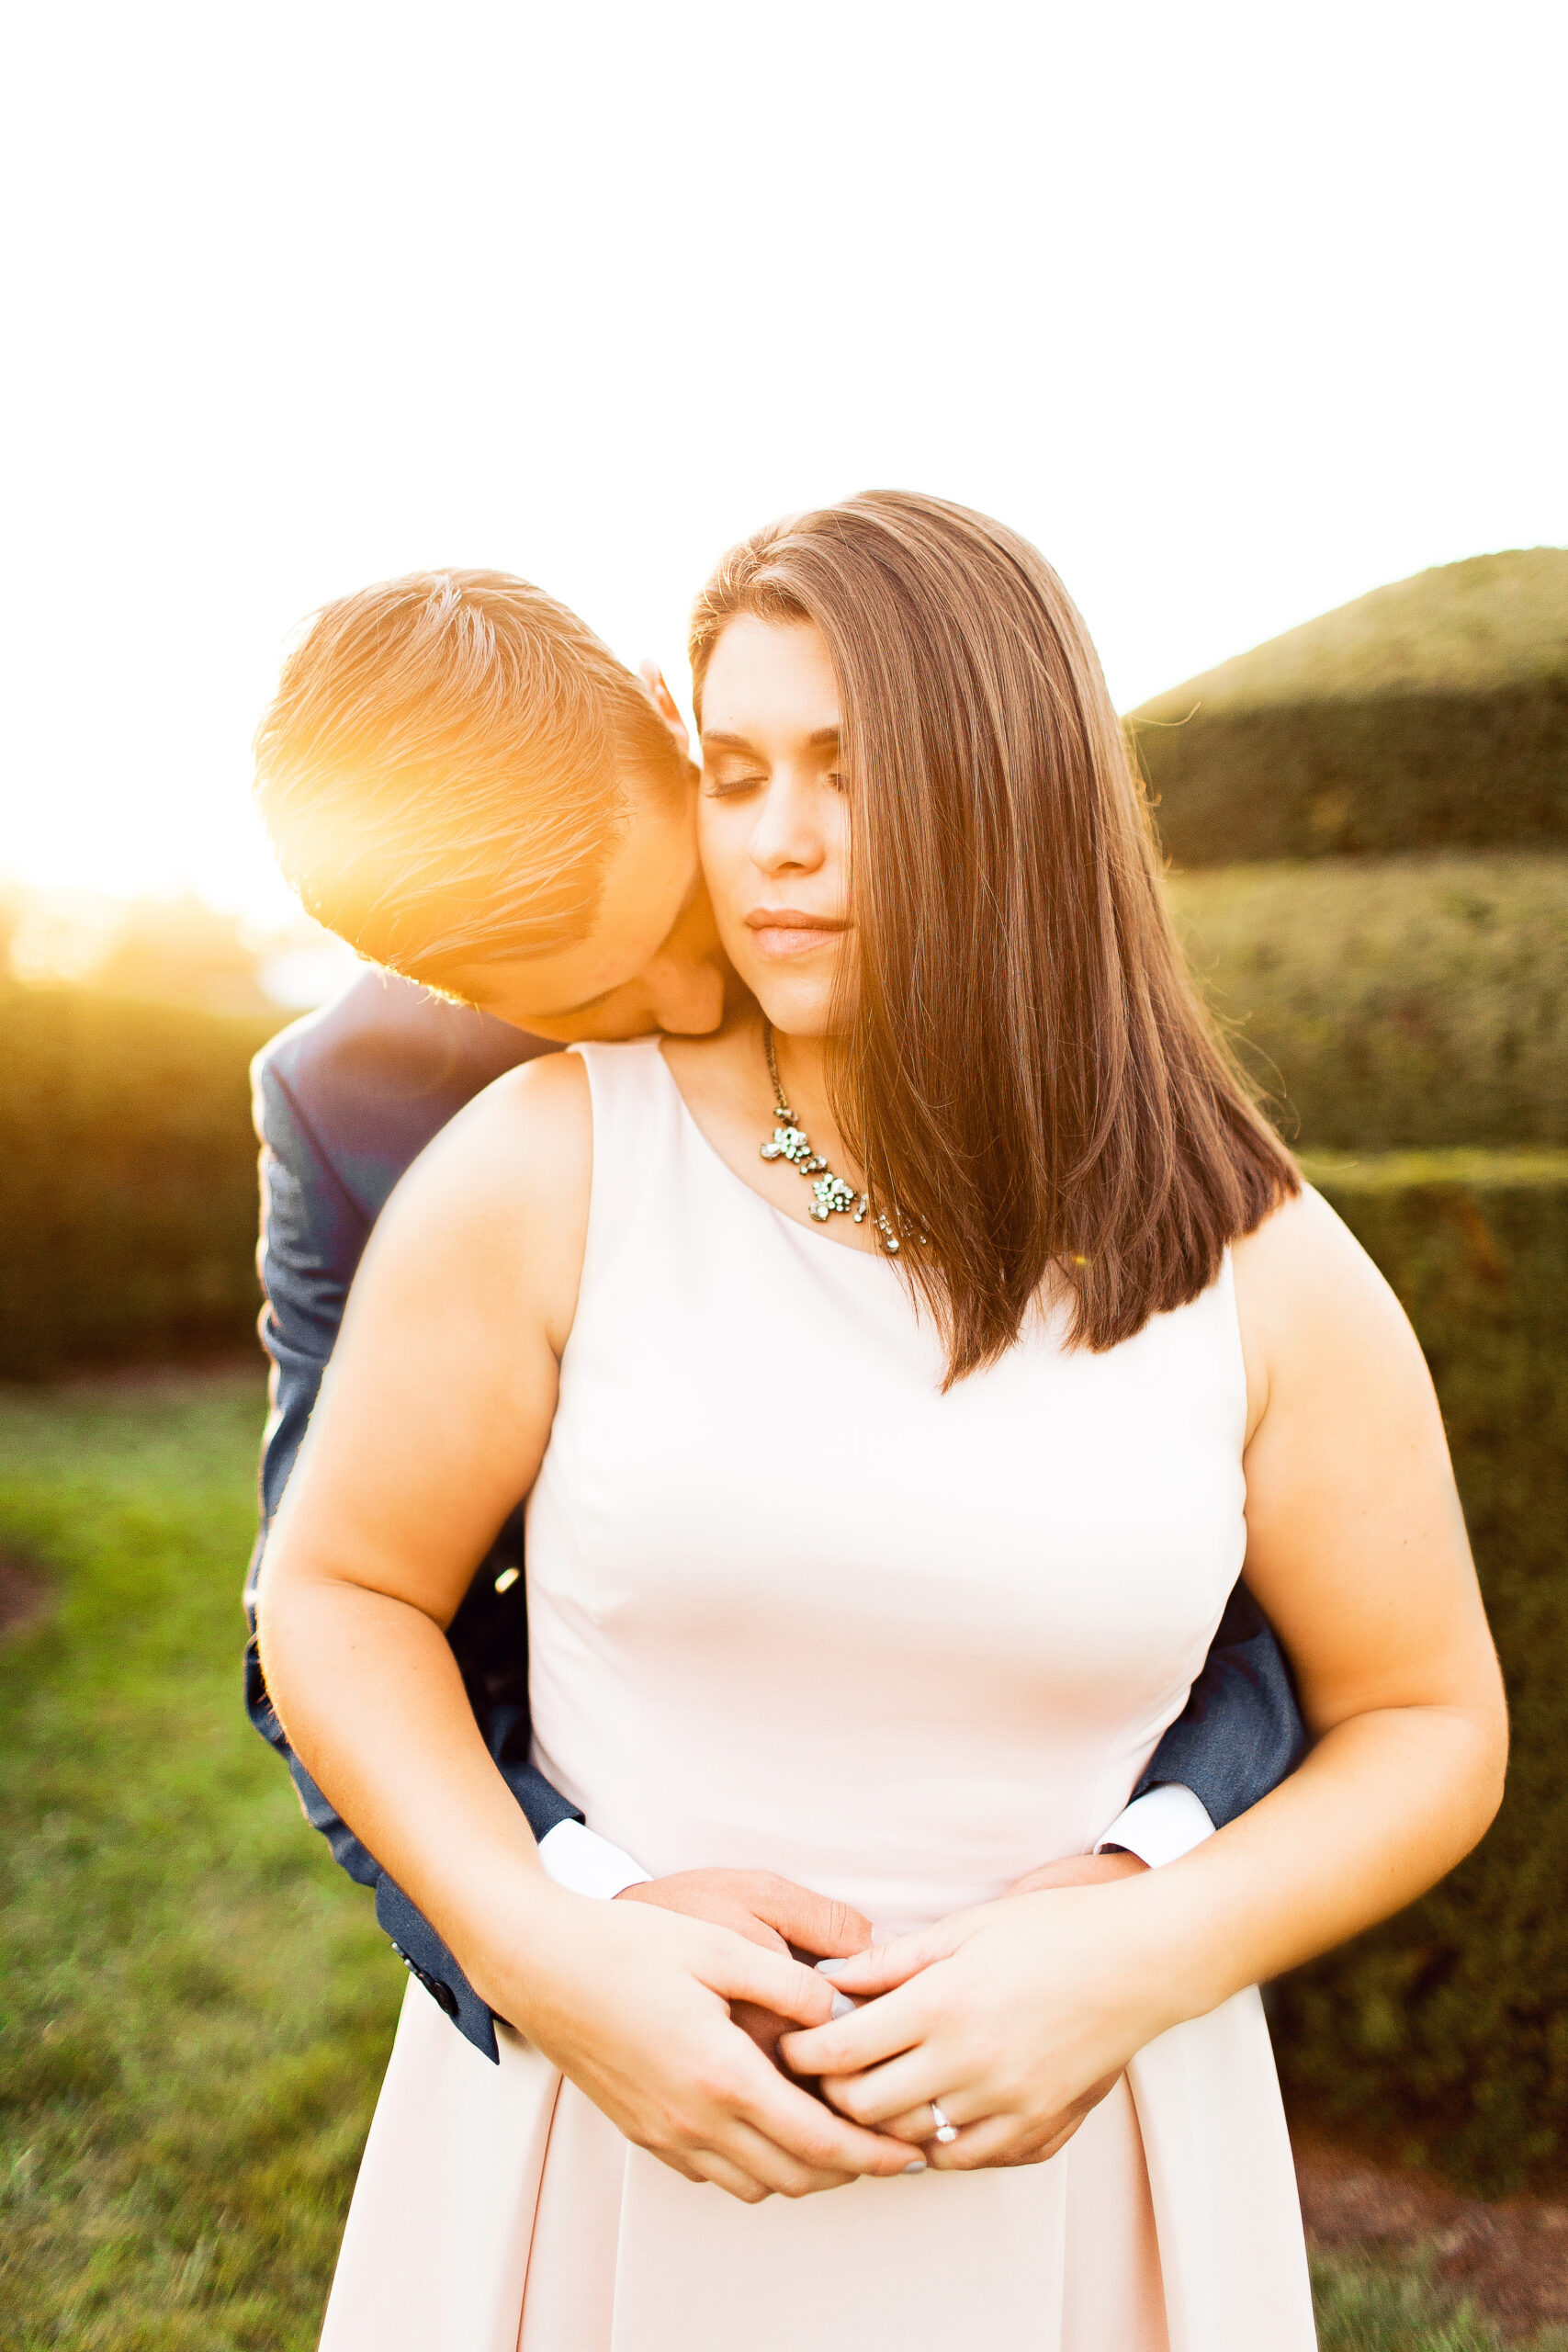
[(345, 1099)]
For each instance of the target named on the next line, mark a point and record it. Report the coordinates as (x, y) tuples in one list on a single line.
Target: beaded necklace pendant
[(831, 1195)]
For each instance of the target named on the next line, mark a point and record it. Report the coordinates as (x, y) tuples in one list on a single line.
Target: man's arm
[(1237, 1738), (314, 1229), (311, 1238)]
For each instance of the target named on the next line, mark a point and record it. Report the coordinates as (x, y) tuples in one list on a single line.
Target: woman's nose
[(785, 837)]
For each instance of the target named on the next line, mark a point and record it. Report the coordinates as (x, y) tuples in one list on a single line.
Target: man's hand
[(767, 1910), (632, 2000), (1018, 2016)]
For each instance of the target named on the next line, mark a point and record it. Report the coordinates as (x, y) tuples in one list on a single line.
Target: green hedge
[(1393, 1003), (1445, 2033), (1326, 779), (1431, 714), (127, 1181)]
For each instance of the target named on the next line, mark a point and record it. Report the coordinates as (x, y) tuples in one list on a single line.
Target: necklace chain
[(831, 1197)]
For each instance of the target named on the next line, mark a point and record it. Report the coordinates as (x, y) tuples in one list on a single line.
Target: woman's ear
[(664, 703)]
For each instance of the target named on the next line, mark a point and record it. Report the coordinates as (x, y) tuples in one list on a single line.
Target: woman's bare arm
[(1017, 2014), (431, 1422), (1358, 1551)]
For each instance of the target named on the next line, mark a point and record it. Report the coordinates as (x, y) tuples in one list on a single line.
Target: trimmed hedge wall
[(127, 1181), (1393, 1002), (1444, 2033), (1336, 779)]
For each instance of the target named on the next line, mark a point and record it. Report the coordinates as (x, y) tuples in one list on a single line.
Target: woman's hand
[(766, 1909), (1018, 2017), (632, 2001)]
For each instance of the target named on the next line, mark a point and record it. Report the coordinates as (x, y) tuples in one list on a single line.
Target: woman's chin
[(796, 994), (795, 1010)]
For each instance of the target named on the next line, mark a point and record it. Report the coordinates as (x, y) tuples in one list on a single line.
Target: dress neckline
[(710, 1151)]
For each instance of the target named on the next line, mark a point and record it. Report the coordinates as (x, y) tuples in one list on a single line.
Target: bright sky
[(1237, 310)]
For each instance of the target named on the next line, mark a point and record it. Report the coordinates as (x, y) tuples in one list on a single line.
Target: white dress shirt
[(1159, 1827)]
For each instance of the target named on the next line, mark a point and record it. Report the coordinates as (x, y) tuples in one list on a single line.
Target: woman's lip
[(784, 932), (792, 919)]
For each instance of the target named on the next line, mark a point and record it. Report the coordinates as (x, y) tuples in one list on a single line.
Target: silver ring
[(943, 2131)]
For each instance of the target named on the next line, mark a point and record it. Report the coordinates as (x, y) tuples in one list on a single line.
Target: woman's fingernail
[(842, 2006), (832, 1967), (919, 2165)]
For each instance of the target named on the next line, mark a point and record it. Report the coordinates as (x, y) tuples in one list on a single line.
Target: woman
[(927, 1493)]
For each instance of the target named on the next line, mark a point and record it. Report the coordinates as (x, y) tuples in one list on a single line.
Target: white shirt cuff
[(574, 1858), (1158, 1827)]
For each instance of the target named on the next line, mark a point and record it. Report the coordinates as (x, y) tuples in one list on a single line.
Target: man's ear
[(664, 703)]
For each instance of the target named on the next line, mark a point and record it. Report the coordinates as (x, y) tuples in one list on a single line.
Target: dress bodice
[(793, 1607)]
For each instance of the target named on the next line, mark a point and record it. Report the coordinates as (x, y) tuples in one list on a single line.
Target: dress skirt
[(497, 2210)]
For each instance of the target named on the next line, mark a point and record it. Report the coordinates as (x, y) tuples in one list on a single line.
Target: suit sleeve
[(312, 1236), (1241, 1730)]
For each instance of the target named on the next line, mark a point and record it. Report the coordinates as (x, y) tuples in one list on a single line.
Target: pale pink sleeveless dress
[(792, 1608)]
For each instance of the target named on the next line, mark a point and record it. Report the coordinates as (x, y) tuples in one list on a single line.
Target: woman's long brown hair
[(1027, 1074)]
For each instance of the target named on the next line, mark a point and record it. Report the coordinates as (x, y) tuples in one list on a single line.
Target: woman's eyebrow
[(819, 736)]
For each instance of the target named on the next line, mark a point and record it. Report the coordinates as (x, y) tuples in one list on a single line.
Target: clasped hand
[(1018, 2016), (638, 2001), (1015, 2015)]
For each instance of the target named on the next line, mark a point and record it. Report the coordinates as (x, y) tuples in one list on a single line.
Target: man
[(465, 784)]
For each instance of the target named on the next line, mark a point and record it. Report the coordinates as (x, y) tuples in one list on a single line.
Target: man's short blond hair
[(446, 770)]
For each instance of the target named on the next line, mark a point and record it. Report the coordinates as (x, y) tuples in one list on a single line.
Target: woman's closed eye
[(728, 783)]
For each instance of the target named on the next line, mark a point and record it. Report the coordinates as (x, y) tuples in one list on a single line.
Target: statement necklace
[(831, 1195)]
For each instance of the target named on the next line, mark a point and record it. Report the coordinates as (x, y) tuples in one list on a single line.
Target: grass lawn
[(195, 2007), (1369, 2306)]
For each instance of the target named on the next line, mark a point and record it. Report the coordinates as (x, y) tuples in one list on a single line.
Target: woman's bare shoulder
[(501, 1194), (526, 1138), (535, 1113), (1301, 1249), (1312, 1305)]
